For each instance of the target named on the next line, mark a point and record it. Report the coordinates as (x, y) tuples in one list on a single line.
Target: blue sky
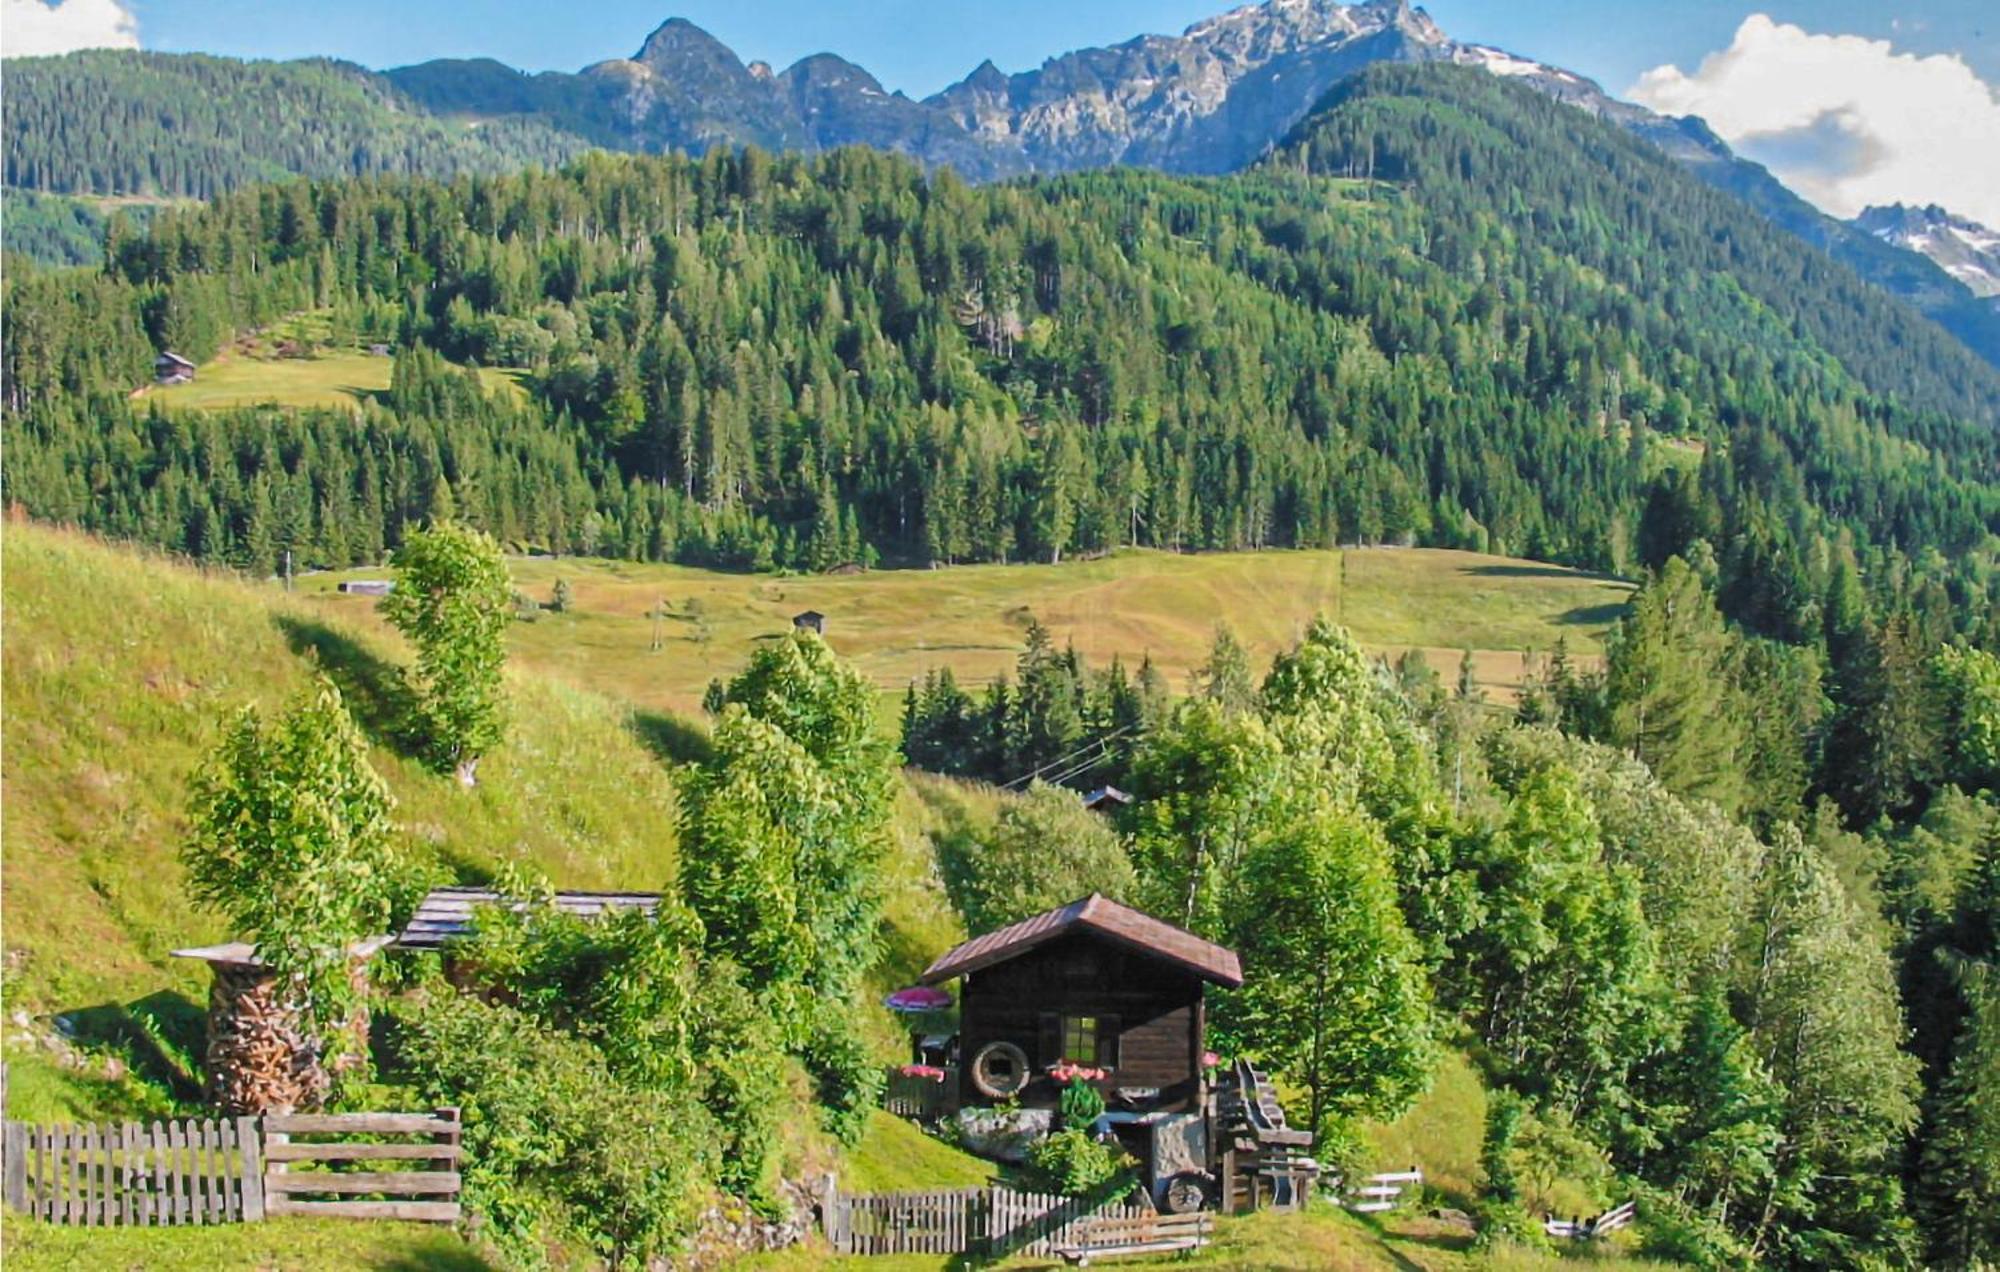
[(922, 45)]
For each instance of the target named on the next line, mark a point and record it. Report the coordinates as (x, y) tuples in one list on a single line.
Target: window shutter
[(1050, 1049), (1107, 1042)]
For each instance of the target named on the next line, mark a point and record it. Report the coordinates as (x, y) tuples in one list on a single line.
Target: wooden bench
[(1148, 1234)]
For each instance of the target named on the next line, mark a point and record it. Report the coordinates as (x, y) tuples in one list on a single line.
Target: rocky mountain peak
[(1961, 247), (678, 46)]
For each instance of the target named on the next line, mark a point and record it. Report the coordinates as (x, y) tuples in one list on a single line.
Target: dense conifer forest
[(107, 122), (1447, 312)]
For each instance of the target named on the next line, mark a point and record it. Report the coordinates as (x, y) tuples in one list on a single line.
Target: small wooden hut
[(259, 1057), (811, 621), (172, 368)]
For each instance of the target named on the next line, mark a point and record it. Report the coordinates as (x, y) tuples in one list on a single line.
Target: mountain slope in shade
[(1964, 249)]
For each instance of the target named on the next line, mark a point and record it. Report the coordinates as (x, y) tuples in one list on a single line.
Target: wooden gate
[(196, 1171), (315, 1176)]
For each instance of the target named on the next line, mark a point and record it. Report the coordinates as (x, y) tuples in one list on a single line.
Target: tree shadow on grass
[(162, 1035), (1593, 615), (670, 739), (377, 693)]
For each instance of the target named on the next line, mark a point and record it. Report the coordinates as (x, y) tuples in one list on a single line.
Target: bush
[(557, 1148), (1673, 1231), (848, 1080), (1072, 1163), (1081, 1105), (1503, 1224)]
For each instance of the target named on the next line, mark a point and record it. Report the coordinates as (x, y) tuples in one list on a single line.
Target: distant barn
[(367, 587), (1106, 798), (810, 621), (172, 368)]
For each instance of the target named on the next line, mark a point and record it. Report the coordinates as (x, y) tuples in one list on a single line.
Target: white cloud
[(1845, 121), (30, 28)]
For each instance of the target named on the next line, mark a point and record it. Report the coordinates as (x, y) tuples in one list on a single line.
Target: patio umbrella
[(919, 998)]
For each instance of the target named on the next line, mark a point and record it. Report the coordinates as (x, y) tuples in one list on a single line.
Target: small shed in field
[(1094, 983), (367, 587), (810, 621), (172, 368)]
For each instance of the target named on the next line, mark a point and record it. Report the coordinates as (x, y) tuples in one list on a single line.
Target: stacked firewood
[(261, 1059)]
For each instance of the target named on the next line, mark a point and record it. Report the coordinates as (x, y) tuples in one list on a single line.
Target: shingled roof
[(1103, 917), (446, 914)]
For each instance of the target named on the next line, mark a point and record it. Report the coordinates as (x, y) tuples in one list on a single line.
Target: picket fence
[(984, 1221), (164, 1174), (197, 1171)]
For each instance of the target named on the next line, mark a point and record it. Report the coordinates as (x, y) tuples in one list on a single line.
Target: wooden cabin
[(172, 368), (1095, 983), (810, 621), (1106, 799)]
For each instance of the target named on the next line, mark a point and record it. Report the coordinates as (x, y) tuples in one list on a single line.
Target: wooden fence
[(165, 1174), (1589, 1229), (233, 1170), (915, 1096), (982, 1221), (1383, 1192)]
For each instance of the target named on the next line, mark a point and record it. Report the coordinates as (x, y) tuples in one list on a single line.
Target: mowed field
[(897, 624), (252, 372)]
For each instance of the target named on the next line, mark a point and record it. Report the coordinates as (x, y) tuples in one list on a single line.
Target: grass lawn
[(896, 624), (276, 1245), (250, 372)]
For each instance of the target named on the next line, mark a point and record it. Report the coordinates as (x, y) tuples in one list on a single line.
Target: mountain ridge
[(1209, 100)]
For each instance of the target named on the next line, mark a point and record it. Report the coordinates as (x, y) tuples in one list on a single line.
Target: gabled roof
[(1104, 917), (446, 914), (1105, 797)]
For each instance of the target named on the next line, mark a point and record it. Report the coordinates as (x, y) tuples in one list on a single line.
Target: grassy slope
[(896, 624), (119, 674)]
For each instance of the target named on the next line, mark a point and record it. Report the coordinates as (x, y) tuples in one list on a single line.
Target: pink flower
[(932, 1072), (1210, 1060), (1069, 1071)]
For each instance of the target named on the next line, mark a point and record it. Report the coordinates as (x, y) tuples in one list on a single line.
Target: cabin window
[(1079, 1039)]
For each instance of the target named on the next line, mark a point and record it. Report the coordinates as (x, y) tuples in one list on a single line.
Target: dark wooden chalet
[(810, 621), (172, 368), (1094, 983)]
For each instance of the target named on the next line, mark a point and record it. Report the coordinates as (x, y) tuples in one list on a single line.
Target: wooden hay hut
[(445, 916), (172, 368), (810, 621), (259, 1057)]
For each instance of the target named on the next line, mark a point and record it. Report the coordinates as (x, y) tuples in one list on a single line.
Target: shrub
[(1081, 1105), (1070, 1162), (557, 1148)]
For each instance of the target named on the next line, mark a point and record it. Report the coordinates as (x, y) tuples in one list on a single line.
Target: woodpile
[(260, 1058)]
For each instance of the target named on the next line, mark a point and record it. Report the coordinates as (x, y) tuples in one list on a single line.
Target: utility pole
[(288, 569)]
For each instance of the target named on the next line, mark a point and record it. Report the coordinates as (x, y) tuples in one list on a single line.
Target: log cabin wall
[(1150, 1015)]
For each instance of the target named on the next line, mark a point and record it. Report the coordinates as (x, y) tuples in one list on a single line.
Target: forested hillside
[(756, 361), (191, 126)]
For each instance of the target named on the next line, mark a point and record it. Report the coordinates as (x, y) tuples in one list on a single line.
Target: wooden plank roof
[(1100, 915), (244, 954), (446, 914)]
